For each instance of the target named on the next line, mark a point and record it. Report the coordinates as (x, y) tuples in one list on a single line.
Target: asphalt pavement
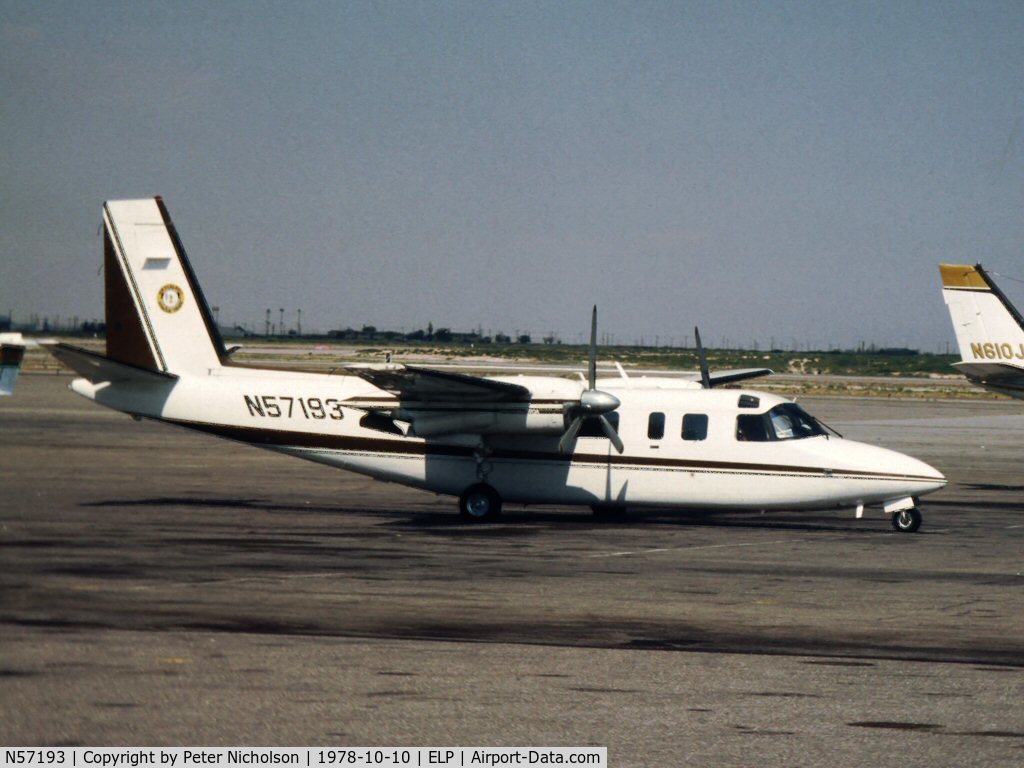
[(162, 587)]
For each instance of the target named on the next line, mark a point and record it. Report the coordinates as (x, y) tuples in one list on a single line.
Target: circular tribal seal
[(170, 298)]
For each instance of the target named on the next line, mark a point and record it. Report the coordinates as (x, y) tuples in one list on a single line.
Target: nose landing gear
[(907, 520), (906, 516)]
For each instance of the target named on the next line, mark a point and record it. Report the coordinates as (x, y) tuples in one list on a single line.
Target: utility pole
[(266, 331), (298, 328), (280, 325)]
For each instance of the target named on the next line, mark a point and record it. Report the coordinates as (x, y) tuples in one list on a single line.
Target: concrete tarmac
[(162, 587)]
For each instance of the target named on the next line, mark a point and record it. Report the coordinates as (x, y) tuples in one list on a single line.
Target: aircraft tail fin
[(157, 318), (988, 328), (12, 350)]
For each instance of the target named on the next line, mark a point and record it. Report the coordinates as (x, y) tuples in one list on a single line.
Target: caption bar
[(189, 757)]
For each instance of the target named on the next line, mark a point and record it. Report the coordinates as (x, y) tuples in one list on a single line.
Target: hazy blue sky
[(786, 170)]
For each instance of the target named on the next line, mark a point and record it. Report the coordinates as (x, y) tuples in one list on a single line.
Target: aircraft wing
[(98, 369), (718, 378), (412, 383)]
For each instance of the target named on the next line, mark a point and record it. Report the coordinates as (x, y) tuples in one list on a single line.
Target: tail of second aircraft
[(989, 329), (12, 350)]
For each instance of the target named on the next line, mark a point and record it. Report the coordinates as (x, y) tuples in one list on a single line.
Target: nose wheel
[(907, 520)]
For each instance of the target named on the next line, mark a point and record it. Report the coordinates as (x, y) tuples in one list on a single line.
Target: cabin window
[(695, 426), (592, 427), (656, 426), (787, 421), (749, 401)]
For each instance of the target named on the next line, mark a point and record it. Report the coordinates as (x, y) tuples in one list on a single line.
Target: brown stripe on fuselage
[(320, 441)]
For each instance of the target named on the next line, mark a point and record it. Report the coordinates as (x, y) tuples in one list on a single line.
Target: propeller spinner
[(593, 403)]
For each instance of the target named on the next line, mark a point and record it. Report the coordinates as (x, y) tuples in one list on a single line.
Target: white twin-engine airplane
[(609, 443), (989, 329)]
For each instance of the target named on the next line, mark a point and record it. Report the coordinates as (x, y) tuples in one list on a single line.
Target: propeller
[(593, 403), (705, 374)]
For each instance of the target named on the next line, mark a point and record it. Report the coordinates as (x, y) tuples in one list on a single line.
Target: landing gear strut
[(907, 520), (479, 503)]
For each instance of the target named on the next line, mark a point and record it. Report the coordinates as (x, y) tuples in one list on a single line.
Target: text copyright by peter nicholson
[(354, 757)]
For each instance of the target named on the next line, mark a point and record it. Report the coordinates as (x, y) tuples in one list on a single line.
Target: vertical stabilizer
[(988, 327), (156, 315)]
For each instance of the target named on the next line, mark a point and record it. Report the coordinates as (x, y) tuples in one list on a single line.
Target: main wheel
[(608, 512), (907, 520), (480, 502)]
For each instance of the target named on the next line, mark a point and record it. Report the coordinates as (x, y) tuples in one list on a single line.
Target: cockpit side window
[(792, 422), (787, 421)]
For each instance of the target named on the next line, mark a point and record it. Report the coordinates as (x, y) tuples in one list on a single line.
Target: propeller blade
[(592, 403), (592, 368), (705, 375), (611, 434), (570, 435)]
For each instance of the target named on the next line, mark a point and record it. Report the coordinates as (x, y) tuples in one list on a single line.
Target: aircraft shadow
[(519, 522)]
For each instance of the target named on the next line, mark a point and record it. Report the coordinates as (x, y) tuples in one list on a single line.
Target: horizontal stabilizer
[(428, 385), (1002, 377), (99, 369)]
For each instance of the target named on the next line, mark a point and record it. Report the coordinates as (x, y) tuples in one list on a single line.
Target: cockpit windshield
[(787, 421)]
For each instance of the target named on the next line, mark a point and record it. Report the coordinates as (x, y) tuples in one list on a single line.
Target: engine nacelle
[(433, 424)]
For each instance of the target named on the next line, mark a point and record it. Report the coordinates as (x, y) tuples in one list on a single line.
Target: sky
[(781, 171)]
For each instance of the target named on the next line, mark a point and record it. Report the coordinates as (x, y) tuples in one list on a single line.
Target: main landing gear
[(479, 503), (907, 520), (608, 513)]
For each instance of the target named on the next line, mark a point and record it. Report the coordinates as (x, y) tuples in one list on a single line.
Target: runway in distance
[(989, 329), (608, 443)]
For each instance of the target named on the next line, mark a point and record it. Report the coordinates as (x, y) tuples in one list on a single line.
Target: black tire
[(907, 520), (608, 512), (479, 503)]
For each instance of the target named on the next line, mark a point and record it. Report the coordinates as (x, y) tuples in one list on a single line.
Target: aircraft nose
[(928, 473), (892, 472), (923, 476)]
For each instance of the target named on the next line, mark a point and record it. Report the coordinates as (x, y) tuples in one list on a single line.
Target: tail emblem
[(170, 298)]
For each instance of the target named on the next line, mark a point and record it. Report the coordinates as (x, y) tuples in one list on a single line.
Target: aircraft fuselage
[(324, 418)]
